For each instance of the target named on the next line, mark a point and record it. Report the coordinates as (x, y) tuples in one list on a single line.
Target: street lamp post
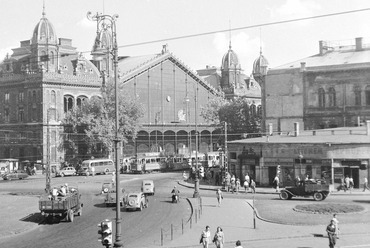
[(196, 183), (300, 156), (107, 22)]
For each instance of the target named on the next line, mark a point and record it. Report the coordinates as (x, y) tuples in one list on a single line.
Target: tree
[(90, 128), (236, 113)]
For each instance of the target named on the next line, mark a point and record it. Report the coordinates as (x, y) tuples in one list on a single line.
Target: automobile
[(83, 171), (111, 196), (66, 171), (106, 187), (135, 201), (17, 174), (147, 187), (318, 189)]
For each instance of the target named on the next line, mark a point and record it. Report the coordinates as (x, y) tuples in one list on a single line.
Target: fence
[(179, 228)]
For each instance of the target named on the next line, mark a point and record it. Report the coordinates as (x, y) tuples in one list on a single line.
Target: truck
[(57, 207), (318, 189)]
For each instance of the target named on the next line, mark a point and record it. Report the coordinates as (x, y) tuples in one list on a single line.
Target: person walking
[(219, 196), (238, 244), (219, 238), (253, 186), (366, 187), (336, 222), (330, 229), (276, 183), (246, 186), (237, 185), (205, 237), (346, 181)]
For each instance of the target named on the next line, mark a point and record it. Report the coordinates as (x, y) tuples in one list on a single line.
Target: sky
[(144, 21)]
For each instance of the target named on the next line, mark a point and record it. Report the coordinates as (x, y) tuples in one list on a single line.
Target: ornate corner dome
[(103, 40), (230, 60), (44, 31), (260, 66)]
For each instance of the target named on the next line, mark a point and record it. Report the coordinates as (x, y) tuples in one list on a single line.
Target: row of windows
[(31, 96), (329, 99)]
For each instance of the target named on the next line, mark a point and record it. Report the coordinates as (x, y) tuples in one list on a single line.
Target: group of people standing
[(233, 183), (218, 239)]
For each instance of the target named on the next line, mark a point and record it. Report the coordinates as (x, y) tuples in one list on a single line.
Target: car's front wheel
[(284, 195), (318, 196), (62, 175)]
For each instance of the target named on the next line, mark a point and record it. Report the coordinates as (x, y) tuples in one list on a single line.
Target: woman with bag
[(219, 238)]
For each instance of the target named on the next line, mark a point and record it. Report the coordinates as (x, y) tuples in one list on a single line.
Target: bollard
[(199, 213), (191, 222), (171, 232), (182, 226), (196, 221), (161, 237)]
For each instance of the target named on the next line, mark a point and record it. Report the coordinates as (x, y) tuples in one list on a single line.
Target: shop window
[(367, 94), (232, 155)]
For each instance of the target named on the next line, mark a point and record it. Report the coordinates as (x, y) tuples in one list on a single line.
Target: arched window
[(80, 99), (367, 94), (321, 93), (357, 91), (68, 103), (259, 110), (34, 96), (253, 110), (331, 95), (53, 99)]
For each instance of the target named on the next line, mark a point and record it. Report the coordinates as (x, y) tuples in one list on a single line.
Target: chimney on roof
[(303, 66), (368, 128), (359, 44), (322, 47), (296, 129)]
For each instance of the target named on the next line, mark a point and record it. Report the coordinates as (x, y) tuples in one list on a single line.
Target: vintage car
[(147, 187), (17, 174), (3, 170), (106, 187), (83, 171), (318, 189), (111, 196), (66, 171), (135, 200)]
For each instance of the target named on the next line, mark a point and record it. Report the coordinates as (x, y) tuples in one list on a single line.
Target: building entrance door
[(354, 173), (272, 174)]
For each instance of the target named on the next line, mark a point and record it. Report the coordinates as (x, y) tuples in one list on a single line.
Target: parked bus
[(148, 162), (101, 165)]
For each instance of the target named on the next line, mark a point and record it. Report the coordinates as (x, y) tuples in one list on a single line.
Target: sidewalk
[(235, 217), (270, 190)]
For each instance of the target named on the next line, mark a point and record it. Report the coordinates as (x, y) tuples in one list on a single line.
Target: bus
[(101, 165), (148, 162)]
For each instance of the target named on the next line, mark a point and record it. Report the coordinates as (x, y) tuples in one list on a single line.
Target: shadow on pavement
[(34, 218)]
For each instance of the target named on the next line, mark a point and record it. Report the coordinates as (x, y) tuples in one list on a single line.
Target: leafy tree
[(90, 128), (237, 114)]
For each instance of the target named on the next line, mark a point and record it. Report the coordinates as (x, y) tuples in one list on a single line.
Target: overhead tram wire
[(228, 30)]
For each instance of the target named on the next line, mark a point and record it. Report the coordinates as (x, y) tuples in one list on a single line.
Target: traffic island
[(329, 208)]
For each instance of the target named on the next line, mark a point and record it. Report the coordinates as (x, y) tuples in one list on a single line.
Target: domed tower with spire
[(230, 71), (44, 45), (102, 45)]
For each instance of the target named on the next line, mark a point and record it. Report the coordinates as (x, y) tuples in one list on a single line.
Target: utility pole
[(48, 167)]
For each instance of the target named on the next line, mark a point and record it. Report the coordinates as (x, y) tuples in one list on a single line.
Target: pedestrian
[(232, 182), (351, 183), (219, 196), (205, 237), (247, 178), (276, 183), (238, 244), (219, 238), (330, 229), (365, 184), (336, 222), (92, 170), (346, 181), (237, 183), (246, 186), (253, 186)]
